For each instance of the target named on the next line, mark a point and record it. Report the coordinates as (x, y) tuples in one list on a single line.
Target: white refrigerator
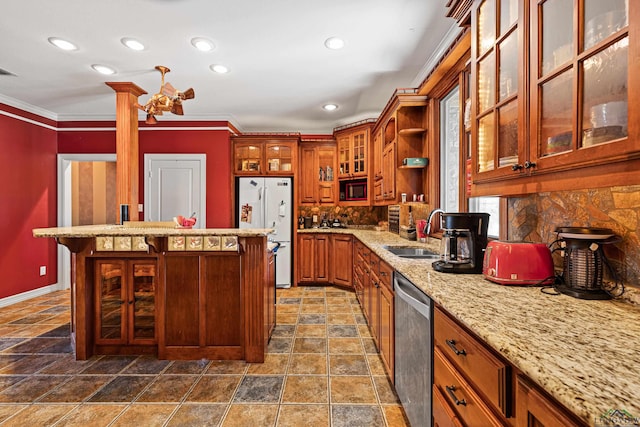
[(268, 203)]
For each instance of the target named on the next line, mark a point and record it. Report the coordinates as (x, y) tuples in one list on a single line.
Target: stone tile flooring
[(322, 369)]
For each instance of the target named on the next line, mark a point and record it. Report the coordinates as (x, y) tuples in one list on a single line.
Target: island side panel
[(222, 301), (254, 288)]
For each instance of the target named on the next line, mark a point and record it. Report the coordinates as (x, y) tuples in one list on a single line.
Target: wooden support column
[(127, 166)]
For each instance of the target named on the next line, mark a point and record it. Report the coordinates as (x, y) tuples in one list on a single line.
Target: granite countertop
[(584, 353), (121, 230)]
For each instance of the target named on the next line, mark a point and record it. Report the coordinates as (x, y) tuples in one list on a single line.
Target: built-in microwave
[(355, 191)]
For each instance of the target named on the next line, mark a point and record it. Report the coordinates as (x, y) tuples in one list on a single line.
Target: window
[(450, 151)]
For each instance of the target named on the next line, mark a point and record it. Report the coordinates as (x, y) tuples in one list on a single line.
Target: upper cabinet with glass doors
[(497, 67), (551, 86), (580, 82)]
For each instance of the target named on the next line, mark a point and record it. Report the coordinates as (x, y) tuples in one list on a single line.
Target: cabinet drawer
[(486, 372), (386, 274), (459, 396), (443, 415)]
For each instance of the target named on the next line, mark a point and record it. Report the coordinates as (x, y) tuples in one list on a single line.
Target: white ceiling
[(280, 71)]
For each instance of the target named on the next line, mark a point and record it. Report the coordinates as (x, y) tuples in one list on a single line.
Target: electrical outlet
[(43, 270), (140, 207)]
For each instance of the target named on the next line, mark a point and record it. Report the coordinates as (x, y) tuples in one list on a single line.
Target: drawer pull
[(451, 390), (452, 344)]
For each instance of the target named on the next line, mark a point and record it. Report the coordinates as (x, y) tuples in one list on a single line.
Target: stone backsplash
[(352, 215), (535, 218)]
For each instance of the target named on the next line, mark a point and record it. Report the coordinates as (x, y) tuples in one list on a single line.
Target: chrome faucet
[(427, 227)]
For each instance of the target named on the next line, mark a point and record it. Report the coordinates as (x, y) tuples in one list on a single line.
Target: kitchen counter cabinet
[(341, 265), (570, 348), (313, 256), (486, 375), (535, 409), (207, 291), (125, 300)]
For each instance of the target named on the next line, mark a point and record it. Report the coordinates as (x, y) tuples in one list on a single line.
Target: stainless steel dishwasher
[(414, 350)]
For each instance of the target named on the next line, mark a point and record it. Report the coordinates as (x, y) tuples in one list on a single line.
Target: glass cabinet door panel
[(509, 66), (325, 161), (603, 18), (278, 158), (111, 299), (556, 114), (486, 143), (508, 134), (359, 160), (605, 95), (557, 34), (486, 26), (248, 158), (344, 156), (486, 82), (508, 14), (144, 292)]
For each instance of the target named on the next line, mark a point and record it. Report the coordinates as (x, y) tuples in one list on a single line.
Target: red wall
[(28, 200), (167, 137)]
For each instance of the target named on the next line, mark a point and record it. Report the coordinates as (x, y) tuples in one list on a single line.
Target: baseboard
[(13, 299)]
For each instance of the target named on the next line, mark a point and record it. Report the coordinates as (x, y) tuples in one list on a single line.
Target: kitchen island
[(176, 293), (584, 354)]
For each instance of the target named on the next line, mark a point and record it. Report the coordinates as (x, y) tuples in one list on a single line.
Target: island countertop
[(584, 353), (132, 230)]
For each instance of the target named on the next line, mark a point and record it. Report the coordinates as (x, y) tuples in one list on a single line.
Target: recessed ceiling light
[(220, 69), (334, 43), (330, 107), (62, 44), (132, 44), (202, 44), (103, 69)]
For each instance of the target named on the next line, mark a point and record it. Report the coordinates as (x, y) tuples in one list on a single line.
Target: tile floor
[(322, 369)]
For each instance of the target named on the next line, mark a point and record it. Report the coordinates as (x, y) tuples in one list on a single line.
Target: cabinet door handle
[(529, 165), (451, 390), (452, 344), (516, 167), (130, 302)]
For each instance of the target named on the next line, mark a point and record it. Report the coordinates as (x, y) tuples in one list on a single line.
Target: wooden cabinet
[(353, 150), (470, 381), (125, 300), (317, 174), (386, 342), (248, 158), (341, 265), (535, 409), (401, 135), (373, 283), (270, 297), (550, 95), (202, 306), (313, 258), (265, 154), (354, 162)]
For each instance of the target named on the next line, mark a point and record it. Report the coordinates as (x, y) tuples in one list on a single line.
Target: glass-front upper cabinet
[(497, 66), (279, 157), (248, 158), (580, 81)]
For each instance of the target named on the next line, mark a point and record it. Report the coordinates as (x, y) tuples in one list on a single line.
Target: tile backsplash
[(535, 218)]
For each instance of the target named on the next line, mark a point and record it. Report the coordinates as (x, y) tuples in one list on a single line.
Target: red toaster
[(518, 263)]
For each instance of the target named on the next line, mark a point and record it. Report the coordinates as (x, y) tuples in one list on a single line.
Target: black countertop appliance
[(464, 240), (584, 263)]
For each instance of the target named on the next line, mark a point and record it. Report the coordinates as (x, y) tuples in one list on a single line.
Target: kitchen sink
[(412, 252)]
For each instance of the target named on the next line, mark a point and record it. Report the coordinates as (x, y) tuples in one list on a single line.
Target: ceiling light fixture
[(330, 107), (202, 44), (103, 69), (62, 44), (132, 44), (220, 69), (334, 43)]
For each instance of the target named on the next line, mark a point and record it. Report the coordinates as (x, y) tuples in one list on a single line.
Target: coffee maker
[(464, 240)]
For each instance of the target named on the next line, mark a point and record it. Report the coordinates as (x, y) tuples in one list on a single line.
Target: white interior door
[(175, 185)]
